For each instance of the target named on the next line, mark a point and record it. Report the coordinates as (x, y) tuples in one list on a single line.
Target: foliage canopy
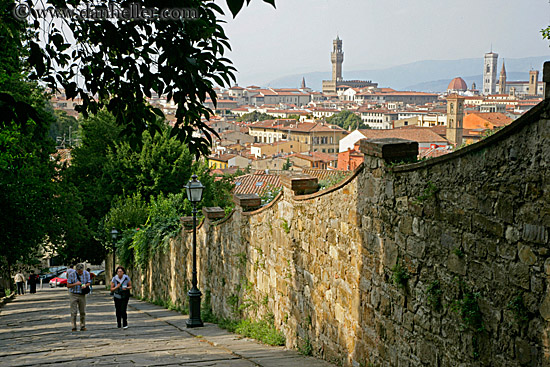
[(119, 62)]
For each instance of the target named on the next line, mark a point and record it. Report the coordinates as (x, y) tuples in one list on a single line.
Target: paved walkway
[(35, 330)]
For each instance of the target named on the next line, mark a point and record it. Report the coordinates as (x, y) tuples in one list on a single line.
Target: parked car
[(59, 281), (99, 276), (48, 274)]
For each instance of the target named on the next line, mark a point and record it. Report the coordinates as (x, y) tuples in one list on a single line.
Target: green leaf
[(235, 6)]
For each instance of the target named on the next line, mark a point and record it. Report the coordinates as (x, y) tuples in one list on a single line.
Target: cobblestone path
[(35, 331)]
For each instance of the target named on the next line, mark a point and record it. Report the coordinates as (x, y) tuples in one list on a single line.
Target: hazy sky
[(296, 37)]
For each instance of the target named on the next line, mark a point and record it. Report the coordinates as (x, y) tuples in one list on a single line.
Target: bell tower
[(502, 80), (455, 117), (533, 82), (337, 58), (490, 73)]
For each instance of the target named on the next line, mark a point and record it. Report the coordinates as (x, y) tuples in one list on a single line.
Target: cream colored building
[(265, 150), (320, 137), (425, 120)]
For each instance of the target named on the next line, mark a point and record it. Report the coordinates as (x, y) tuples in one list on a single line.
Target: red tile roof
[(321, 174), (418, 134), (493, 118), (256, 184), (316, 157), (221, 157)]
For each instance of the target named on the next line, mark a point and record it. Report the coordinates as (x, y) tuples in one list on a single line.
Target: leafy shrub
[(162, 224), (517, 305), (262, 330), (400, 275), (434, 295), (285, 226), (305, 347), (468, 308)]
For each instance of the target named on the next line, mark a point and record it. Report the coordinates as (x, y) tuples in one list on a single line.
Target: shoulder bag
[(121, 293), (82, 290)]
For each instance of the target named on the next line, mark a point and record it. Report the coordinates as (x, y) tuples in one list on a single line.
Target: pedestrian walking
[(78, 282), (20, 281), (120, 287), (33, 279)]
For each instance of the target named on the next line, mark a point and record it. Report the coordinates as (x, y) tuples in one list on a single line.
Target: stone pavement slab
[(35, 330)]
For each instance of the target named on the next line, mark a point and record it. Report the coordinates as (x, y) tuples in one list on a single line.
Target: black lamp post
[(114, 235), (194, 194)]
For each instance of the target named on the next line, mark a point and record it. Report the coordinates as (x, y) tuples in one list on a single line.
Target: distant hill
[(426, 75)]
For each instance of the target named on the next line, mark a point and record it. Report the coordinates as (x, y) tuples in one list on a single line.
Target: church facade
[(491, 85)]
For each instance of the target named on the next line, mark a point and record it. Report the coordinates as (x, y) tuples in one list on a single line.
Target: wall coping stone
[(390, 149), (182, 220), (247, 201), (302, 184), (213, 212), (530, 116)]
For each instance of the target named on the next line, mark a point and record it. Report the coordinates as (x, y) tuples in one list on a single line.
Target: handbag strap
[(78, 277)]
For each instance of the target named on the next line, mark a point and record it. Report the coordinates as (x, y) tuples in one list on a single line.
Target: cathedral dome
[(457, 84)]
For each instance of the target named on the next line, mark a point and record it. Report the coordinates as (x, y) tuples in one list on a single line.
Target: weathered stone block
[(489, 225), (416, 247), (456, 264), (187, 222), (544, 307), (526, 255), (389, 251), (520, 276), (247, 201), (301, 185), (214, 212), (523, 352), (390, 149), (535, 233)]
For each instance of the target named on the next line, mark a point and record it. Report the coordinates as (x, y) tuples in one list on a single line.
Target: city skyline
[(297, 37)]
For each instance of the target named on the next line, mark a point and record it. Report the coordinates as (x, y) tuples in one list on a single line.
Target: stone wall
[(439, 263)]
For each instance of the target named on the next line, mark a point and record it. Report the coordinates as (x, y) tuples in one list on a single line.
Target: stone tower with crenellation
[(337, 58)]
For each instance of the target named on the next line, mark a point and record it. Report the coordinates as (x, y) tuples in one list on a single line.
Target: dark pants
[(120, 306), (20, 287)]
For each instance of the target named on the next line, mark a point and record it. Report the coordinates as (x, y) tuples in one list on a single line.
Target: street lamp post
[(114, 235), (194, 191)]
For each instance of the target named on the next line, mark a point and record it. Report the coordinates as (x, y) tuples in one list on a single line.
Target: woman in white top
[(120, 287)]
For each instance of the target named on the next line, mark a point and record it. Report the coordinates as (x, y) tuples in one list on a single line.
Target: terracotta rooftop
[(273, 123), (418, 134), (224, 171), (441, 130), (321, 174), (457, 84), (256, 184), (221, 157), (475, 120), (316, 157)]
